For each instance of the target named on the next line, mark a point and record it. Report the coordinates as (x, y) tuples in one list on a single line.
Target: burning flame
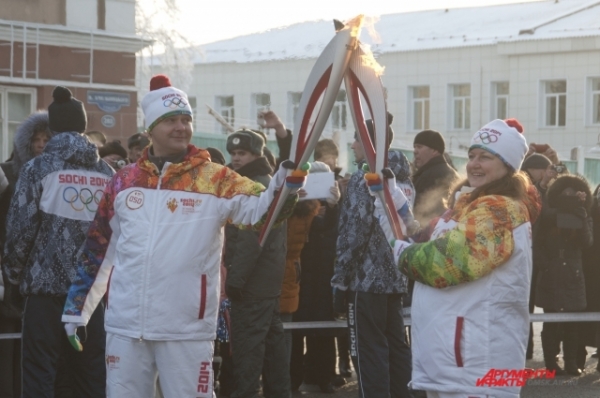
[(368, 60), (355, 25)]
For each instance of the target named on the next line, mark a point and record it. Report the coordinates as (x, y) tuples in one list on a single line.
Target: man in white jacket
[(155, 249)]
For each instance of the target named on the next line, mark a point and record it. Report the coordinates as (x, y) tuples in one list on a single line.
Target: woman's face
[(484, 167)]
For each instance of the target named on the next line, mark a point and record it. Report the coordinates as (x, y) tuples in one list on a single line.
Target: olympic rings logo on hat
[(82, 199), (174, 103), (487, 138)]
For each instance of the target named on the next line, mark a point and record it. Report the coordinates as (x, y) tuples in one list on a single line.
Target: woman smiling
[(470, 301)]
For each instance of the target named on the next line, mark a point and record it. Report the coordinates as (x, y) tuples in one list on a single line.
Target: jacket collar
[(193, 158), (432, 162)]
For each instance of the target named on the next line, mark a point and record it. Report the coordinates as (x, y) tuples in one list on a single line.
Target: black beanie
[(113, 148), (216, 156), (390, 131), (66, 113), (431, 139), (246, 140), (536, 161)]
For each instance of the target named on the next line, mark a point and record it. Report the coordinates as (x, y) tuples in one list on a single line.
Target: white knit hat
[(503, 138), (163, 101)]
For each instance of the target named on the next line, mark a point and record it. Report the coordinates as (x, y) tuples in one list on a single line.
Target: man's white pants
[(184, 368)]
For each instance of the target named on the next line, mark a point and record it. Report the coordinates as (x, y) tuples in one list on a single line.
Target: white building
[(449, 70)]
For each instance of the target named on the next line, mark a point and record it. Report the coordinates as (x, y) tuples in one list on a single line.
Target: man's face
[(536, 174), (240, 158), (135, 152), (423, 154), (172, 135), (359, 152)]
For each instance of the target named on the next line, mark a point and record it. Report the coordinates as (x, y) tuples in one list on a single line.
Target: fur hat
[(536, 161), (163, 101), (432, 139), (564, 181), (503, 138), (246, 140), (113, 148), (66, 113)]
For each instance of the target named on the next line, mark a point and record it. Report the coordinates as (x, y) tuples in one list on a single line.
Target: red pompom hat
[(163, 101)]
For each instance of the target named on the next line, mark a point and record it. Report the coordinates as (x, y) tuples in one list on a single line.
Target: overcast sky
[(206, 21)]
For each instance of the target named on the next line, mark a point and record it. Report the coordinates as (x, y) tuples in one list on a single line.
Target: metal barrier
[(548, 317)]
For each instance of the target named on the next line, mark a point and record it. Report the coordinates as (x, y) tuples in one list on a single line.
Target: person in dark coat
[(254, 280), (433, 178), (560, 286), (316, 299), (591, 271), (30, 139)]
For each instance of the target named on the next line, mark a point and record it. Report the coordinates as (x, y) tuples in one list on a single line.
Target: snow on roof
[(422, 30)]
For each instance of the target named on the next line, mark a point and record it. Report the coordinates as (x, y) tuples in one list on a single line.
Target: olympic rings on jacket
[(175, 103), (84, 199)]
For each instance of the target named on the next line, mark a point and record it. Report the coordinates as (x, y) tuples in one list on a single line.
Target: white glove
[(71, 329), (334, 196), (399, 247)]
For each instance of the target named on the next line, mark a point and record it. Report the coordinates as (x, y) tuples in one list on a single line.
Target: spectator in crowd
[(317, 259), (51, 210), (96, 137), (30, 139), (326, 151), (136, 144), (591, 271), (254, 280), (114, 154), (158, 236), (216, 156), (560, 287), (473, 274), (433, 177), (535, 166), (366, 273)]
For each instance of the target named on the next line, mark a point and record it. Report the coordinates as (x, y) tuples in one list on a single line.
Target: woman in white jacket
[(470, 302)]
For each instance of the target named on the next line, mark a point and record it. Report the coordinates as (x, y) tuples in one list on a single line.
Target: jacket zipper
[(150, 244)]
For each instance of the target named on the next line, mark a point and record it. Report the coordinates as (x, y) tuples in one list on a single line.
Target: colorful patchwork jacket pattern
[(470, 309), (155, 247)]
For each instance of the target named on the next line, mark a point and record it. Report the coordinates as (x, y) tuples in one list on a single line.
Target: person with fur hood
[(56, 197), (567, 230), (30, 139)]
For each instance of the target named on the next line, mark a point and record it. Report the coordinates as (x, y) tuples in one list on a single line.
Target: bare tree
[(170, 53)]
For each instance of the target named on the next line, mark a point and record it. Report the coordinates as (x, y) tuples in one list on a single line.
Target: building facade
[(449, 70), (88, 46)]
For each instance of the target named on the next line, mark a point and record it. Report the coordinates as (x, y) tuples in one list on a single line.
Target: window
[(594, 100), (260, 102), (554, 103), (460, 106), (418, 113), (339, 113), (499, 96), (225, 108), (16, 104), (292, 108)]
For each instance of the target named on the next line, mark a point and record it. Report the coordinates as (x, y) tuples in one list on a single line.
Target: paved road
[(586, 386)]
